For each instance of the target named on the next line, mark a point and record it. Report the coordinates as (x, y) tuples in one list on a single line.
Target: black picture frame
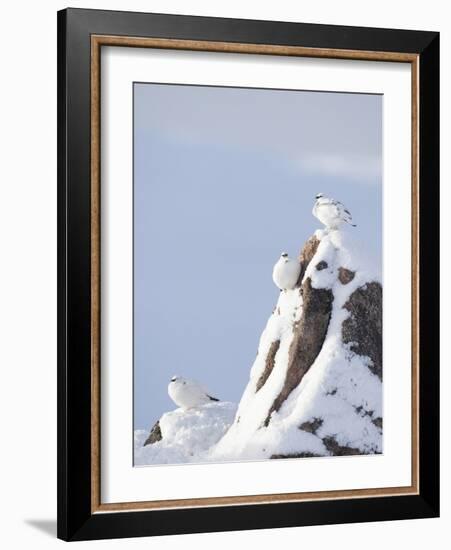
[(76, 520)]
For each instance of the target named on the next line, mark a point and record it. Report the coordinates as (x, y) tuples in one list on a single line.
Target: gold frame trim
[(97, 41)]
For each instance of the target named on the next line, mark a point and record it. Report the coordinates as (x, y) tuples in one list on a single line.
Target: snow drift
[(315, 388), (182, 436)]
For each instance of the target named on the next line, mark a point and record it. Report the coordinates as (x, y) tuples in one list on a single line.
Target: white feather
[(188, 394), (331, 213), (286, 272)]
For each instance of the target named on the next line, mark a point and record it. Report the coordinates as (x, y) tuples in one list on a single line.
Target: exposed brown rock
[(296, 455), (363, 328), (155, 434), (306, 256), (321, 265), (340, 450), (345, 275), (308, 337), (377, 422), (311, 426), (361, 411), (269, 364)]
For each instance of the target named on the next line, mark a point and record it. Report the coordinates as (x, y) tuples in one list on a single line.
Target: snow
[(339, 395), (187, 434)]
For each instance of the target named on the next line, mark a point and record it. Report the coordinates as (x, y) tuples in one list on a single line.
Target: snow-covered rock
[(182, 436), (315, 388)]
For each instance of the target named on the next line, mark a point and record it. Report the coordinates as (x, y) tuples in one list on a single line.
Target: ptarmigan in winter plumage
[(286, 272), (188, 394), (331, 212)]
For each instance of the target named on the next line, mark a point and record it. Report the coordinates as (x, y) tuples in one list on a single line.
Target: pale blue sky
[(224, 181)]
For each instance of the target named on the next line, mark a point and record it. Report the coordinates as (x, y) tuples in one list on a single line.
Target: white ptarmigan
[(286, 272), (331, 212), (188, 394)]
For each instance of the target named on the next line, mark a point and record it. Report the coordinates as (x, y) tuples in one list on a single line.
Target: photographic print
[(257, 274)]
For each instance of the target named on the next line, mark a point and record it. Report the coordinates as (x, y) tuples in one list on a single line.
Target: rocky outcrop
[(345, 276), (305, 257), (315, 387), (269, 364), (363, 328), (295, 455), (377, 422), (310, 331), (308, 337), (311, 426), (154, 435), (335, 449)]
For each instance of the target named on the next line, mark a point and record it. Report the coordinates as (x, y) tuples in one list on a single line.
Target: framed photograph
[(248, 274)]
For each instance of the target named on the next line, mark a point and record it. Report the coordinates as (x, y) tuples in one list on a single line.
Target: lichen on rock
[(362, 330)]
